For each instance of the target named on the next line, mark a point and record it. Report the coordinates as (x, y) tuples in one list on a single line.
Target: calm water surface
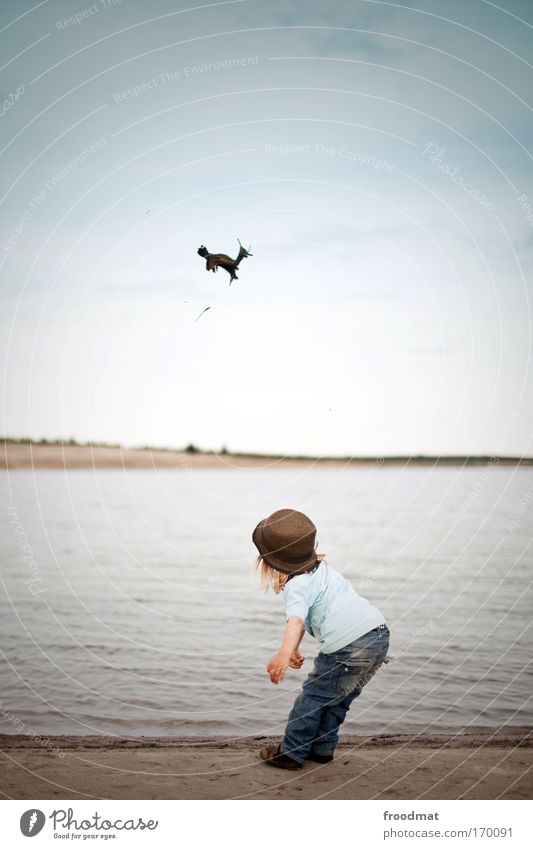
[(129, 605)]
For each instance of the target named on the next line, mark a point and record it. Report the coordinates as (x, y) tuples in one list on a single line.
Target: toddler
[(353, 637)]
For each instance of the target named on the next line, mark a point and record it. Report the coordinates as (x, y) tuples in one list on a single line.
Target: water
[(129, 605)]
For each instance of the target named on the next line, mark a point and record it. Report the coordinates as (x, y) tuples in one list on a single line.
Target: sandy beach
[(467, 766), (25, 455), (57, 455)]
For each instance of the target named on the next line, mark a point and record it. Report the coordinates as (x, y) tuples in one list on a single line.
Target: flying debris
[(215, 261), (201, 314)]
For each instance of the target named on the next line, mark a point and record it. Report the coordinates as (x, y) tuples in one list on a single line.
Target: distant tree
[(192, 449), (224, 450)]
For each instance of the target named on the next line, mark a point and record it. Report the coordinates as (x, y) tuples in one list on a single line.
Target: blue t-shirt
[(332, 611)]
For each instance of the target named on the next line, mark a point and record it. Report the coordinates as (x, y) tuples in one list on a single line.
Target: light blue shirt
[(332, 611)]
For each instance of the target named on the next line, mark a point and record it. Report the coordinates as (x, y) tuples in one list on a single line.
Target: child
[(353, 637)]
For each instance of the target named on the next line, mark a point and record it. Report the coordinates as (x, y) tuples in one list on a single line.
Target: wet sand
[(473, 766)]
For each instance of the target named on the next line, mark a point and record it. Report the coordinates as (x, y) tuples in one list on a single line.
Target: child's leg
[(327, 694), (333, 716), (317, 695), (331, 720)]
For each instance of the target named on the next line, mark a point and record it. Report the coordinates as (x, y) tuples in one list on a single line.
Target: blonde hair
[(271, 579)]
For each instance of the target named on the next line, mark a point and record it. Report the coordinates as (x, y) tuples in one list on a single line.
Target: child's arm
[(297, 659), (292, 638)]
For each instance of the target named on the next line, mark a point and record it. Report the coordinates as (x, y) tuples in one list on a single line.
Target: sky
[(375, 155)]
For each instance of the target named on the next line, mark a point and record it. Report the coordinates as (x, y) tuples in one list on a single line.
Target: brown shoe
[(274, 757)]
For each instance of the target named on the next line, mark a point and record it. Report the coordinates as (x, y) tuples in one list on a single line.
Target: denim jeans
[(336, 680)]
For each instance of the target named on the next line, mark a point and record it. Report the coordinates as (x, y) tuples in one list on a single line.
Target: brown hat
[(286, 541)]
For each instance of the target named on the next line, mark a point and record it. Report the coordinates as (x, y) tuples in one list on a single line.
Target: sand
[(20, 455), (473, 766), (56, 456)]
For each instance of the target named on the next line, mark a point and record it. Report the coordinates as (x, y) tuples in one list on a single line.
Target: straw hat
[(286, 541)]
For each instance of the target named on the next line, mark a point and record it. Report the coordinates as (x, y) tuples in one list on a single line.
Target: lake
[(129, 605)]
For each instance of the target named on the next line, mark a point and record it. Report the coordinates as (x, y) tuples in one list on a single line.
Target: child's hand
[(276, 667), (296, 660)]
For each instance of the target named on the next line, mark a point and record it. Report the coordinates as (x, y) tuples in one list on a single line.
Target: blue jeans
[(336, 680)]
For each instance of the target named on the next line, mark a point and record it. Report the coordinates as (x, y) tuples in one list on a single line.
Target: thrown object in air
[(215, 261)]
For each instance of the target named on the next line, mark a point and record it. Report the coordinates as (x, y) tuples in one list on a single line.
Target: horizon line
[(195, 450)]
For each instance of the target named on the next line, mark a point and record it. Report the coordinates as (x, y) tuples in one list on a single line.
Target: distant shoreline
[(26, 454)]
